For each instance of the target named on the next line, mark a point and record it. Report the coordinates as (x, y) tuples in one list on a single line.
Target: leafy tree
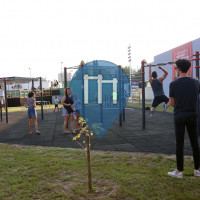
[(82, 63)]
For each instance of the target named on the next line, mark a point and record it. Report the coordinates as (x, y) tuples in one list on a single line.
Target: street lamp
[(61, 73), (30, 76), (129, 60), (30, 71)]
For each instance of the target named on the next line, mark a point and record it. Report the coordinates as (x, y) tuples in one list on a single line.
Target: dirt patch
[(70, 186), (130, 156)]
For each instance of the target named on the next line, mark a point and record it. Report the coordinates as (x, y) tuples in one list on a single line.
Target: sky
[(37, 35)]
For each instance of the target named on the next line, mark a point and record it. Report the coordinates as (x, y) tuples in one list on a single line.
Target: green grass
[(135, 105), (38, 107), (159, 108), (58, 173)]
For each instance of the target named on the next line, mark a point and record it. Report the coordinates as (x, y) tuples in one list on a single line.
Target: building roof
[(15, 80)]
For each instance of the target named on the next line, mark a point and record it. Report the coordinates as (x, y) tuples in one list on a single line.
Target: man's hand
[(159, 67), (171, 102)]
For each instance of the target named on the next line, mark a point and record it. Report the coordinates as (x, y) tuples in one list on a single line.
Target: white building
[(46, 84), (61, 77)]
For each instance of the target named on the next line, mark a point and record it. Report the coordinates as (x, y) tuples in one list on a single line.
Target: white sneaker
[(176, 174), (165, 108), (197, 173)]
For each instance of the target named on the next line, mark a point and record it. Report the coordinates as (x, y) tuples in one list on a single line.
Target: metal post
[(123, 99), (41, 96), (1, 111), (6, 102), (120, 96), (197, 76), (124, 117), (82, 87), (101, 104), (61, 73), (101, 111), (129, 57), (143, 95), (65, 77), (32, 85)]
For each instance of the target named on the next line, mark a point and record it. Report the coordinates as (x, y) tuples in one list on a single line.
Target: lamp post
[(30, 71), (30, 76), (61, 73), (129, 60)]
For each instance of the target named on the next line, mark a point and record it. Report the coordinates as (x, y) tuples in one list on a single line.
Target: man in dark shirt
[(183, 94), (157, 87)]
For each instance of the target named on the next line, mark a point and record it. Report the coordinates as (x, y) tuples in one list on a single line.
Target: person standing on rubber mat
[(157, 87), (183, 94)]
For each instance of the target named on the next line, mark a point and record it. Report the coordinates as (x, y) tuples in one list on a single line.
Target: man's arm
[(165, 74), (150, 76), (171, 102)]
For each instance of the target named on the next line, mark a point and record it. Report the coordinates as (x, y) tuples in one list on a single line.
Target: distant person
[(157, 87), (68, 109), (31, 104), (183, 94), (56, 103), (2, 101), (77, 103)]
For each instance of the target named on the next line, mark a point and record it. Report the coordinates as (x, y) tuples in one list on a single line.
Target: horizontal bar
[(168, 63), (195, 59), (196, 54)]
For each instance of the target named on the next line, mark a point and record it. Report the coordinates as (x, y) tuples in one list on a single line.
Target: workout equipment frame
[(144, 64)]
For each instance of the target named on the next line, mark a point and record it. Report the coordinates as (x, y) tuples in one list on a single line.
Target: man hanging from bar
[(157, 87)]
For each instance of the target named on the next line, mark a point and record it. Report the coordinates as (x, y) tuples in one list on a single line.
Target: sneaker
[(151, 113), (176, 174), (165, 108), (197, 173)]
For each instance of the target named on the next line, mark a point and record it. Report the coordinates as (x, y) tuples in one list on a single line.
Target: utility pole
[(61, 73)]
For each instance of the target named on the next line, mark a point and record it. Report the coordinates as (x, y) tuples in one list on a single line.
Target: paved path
[(158, 137)]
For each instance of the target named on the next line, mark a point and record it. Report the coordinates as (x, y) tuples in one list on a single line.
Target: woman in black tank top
[(68, 106)]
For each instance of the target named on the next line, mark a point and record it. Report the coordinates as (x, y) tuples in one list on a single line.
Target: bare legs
[(36, 125), (77, 121), (72, 122), (3, 107), (66, 118), (30, 125)]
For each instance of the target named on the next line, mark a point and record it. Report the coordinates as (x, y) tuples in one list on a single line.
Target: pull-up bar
[(168, 63), (158, 64), (144, 64)]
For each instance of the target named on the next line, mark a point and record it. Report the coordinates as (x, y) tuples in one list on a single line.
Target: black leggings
[(191, 124)]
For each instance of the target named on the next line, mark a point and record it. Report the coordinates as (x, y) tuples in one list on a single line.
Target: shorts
[(65, 112), (2, 100), (32, 112), (159, 99), (56, 105)]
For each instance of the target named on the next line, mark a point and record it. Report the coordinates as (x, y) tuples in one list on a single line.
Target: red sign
[(183, 51)]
